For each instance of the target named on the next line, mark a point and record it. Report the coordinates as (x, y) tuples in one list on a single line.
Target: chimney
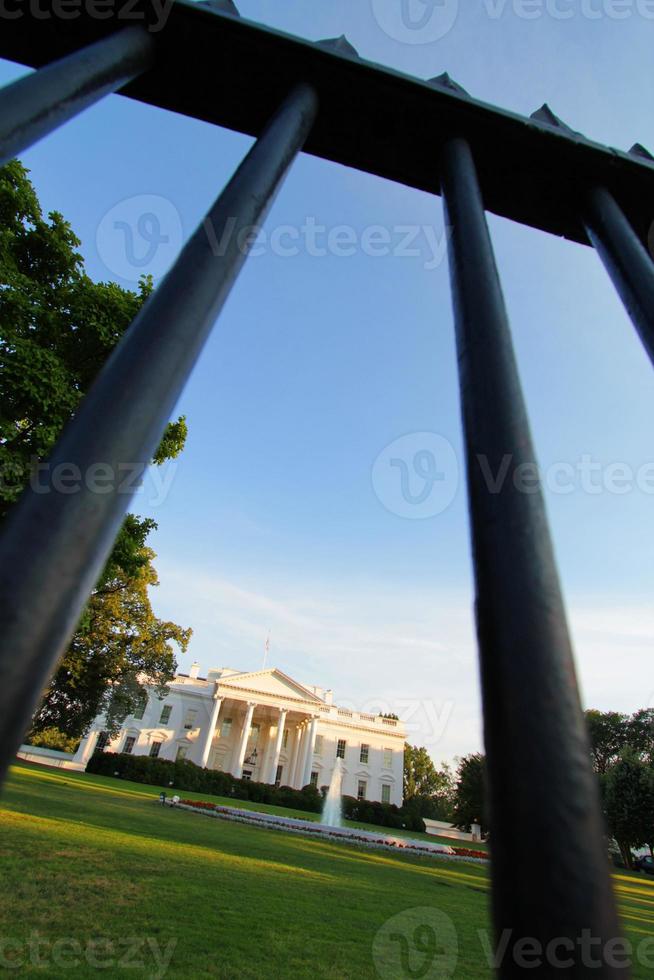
[(195, 669)]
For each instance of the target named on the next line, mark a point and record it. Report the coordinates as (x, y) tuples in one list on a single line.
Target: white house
[(264, 726)]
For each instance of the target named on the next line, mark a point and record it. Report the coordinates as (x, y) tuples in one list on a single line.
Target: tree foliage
[(120, 642), (628, 794), (622, 752), (427, 790), (641, 734), (470, 792), (57, 328), (608, 733)]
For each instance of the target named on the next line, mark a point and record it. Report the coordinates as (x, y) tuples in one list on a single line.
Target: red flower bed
[(465, 852), (199, 804)]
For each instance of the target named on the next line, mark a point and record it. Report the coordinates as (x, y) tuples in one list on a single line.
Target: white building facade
[(263, 726)]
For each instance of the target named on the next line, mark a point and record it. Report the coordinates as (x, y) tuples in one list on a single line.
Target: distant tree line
[(439, 793), (622, 756)]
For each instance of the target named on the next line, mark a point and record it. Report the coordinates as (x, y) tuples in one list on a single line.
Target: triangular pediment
[(272, 682)]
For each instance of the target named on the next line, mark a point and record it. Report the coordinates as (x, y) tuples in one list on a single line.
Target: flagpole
[(266, 648)]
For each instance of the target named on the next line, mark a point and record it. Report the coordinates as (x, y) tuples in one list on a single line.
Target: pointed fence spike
[(221, 6), (445, 81), (339, 45), (545, 115), (638, 150)]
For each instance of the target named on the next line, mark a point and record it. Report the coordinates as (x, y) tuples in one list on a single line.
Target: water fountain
[(332, 809)]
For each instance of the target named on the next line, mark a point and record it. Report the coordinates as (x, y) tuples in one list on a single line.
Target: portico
[(262, 742)]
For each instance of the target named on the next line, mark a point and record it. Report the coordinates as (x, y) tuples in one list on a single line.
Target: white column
[(297, 752), (311, 744), (266, 751), (211, 731), (272, 771), (237, 769), (86, 748)]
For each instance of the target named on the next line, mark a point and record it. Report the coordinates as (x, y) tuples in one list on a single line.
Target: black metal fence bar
[(550, 870), (33, 106), (626, 259), (55, 545)]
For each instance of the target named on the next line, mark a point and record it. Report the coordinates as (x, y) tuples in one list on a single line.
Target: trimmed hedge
[(381, 814), (185, 775)]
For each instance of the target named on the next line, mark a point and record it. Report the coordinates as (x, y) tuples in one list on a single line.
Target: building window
[(340, 748), (361, 789), (165, 714), (318, 746), (226, 728), (154, 749), (278, 775), (247, 775), (314, 779), (365, 751), (181, 752), (139, 710), (285, 738), (103, 741), (254, 734), (386, 793), (189, 717), (130, 742), (388, 759)]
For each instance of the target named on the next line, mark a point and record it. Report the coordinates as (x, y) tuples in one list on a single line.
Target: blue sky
[(276, 517)]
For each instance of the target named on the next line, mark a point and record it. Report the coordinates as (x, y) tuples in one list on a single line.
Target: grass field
[(96, 873)]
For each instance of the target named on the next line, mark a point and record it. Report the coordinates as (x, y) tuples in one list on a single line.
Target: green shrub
[(185, 775), (381, 814), (52, 738)]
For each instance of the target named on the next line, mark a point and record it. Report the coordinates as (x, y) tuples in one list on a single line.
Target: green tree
[(470, 792), (608, 732), (57, 328), (628, 795), (427, 790), (640, 734)]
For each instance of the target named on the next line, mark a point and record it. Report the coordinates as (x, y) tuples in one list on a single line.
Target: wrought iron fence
[(549, 862)]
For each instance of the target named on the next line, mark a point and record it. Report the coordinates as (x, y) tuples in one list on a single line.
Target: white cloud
[(383, 649), (378, 649)]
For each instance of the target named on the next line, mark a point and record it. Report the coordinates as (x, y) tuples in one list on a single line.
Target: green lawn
[(93, 861)]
